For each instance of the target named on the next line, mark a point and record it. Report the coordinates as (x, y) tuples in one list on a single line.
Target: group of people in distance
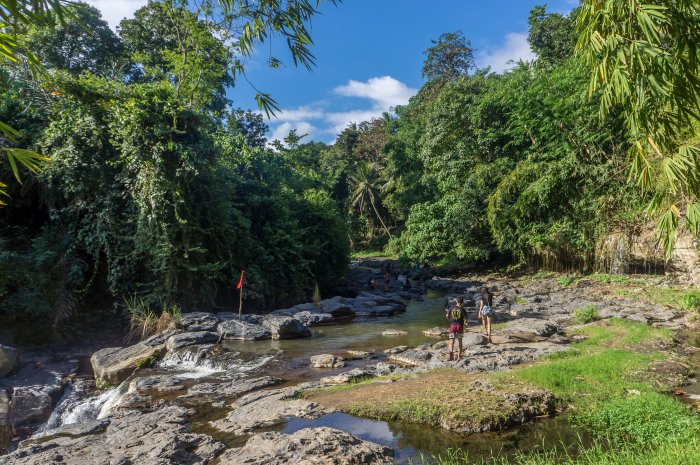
[(457, 317), (386, 274)]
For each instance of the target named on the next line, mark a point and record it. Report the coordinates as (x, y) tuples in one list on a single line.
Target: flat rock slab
[(396, 350), (314, 318), (412, 358), (191, 338), (266, 409), (327, 361), (199, 321), (157, 438), (356, 374), (310, 446), (358, 355), (544, 328), (243, 330)]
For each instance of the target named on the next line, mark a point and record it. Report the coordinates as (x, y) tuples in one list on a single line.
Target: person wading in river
[(457, 319), (486, 311)]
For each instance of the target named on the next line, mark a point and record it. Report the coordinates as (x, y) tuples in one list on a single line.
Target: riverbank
[(368, 356)]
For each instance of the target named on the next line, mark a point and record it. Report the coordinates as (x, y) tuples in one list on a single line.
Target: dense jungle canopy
[(156, 185)]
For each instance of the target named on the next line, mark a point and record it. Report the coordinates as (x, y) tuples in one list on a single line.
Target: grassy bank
[(607, 388), (607, 383)]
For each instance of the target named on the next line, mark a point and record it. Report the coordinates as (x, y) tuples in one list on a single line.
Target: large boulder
[(191, 338), (243, 330), (337, 308), (9, 357), (310, 446), (114, 364), (31, 405), (284, 327), (199, 321)]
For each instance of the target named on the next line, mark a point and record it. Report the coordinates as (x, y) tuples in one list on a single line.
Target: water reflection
[(411, 441)]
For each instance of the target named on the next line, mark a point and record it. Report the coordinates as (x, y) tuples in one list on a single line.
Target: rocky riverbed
[(224, 388)]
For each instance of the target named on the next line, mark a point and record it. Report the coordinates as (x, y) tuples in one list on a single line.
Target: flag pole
[(240, 297)]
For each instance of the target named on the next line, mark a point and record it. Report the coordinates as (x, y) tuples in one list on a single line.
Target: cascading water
[(79, 404)]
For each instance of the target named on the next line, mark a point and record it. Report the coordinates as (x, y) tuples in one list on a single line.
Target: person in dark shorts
[(486, 311), (457, 319)]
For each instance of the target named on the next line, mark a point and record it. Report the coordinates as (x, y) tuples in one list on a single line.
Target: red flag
[(240, 281)]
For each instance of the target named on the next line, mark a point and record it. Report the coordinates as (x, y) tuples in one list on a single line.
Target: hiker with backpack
[(486, 311), (457, 318)]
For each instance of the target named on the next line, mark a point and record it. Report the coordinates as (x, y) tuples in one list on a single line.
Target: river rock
[(396, 350), (358, 354), (114, 364), (265, 409), (337, 308), (157, 385), (310, 446), (314, 319), (327, 361), (191, 338), (354, 375), (284, 327), (243, 330), (544, 328), (412, 358), (436, 332), (230, 389), (74, 430), (470, 340), (33, 404), (394, 332), (199, 321), (159, 438), (9, 357)]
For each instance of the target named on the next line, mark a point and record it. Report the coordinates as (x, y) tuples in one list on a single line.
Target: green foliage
[(643, 58), (586, 314), (450, 56), (691, 301)]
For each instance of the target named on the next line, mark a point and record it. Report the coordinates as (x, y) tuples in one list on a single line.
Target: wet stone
[(327, 361)]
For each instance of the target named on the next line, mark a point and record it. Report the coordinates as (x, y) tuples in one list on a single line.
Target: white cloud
[(113, 11), (302, 127), (385, 91), (318, 120), (304, 112), (515, 48)]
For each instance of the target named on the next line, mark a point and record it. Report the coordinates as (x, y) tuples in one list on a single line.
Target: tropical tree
[(450, 56), (364, 182), (644, 57)]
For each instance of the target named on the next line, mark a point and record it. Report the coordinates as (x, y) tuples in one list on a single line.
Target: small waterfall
[(79, 404)]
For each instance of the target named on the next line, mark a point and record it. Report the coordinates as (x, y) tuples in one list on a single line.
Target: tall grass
[(145, 322)]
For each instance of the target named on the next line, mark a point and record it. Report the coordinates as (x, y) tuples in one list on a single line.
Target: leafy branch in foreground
[(644, 58)]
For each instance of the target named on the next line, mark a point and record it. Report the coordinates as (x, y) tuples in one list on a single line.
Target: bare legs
[(486, 323)]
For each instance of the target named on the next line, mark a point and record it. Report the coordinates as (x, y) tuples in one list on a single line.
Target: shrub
[(691, 301), (585, 314)]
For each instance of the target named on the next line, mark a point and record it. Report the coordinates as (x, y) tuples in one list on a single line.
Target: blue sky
[(369, 55)]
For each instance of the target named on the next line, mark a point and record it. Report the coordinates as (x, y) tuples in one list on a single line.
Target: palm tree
[(365, 190)]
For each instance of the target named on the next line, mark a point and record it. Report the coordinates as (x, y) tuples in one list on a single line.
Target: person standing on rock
[(486, 311), (457, 319)]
